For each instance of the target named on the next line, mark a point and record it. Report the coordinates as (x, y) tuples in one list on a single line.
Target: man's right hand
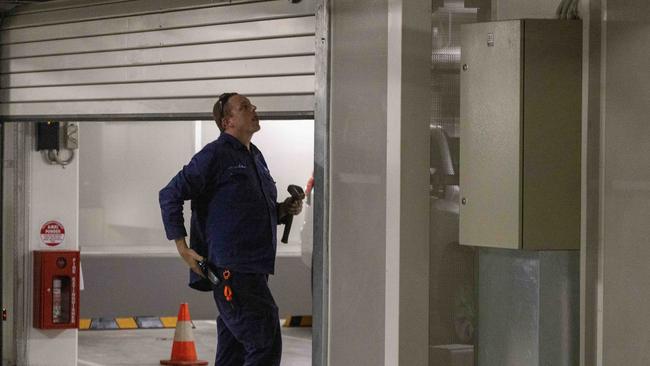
[(189, 256)]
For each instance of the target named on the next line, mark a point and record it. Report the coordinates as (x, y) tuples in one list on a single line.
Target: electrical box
[(56, 289), (520, 134), (47, 136)]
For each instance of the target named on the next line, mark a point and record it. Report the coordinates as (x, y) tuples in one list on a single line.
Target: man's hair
[(221, 109)]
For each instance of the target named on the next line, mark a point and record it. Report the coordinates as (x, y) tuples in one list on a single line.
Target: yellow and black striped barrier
[(298, 321), (162, 322), (130, 322)]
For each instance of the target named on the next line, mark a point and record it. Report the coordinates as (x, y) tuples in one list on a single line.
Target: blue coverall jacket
[(234, 209)]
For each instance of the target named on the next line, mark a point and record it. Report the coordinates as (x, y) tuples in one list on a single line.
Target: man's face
[(242, 118)]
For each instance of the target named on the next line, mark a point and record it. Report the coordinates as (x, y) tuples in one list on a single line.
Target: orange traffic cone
[(183, 350)]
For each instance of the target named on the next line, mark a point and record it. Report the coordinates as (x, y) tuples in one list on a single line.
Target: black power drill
[(297, 194)]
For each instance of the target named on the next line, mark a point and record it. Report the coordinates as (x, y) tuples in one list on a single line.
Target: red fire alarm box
[(56, 289)]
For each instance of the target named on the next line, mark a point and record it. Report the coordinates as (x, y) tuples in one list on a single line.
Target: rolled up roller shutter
[(162, 59)]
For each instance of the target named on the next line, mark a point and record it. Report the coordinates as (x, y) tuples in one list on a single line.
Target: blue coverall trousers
[(248, 326)]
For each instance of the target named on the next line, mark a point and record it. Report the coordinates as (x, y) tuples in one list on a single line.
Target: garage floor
[(143, 347)]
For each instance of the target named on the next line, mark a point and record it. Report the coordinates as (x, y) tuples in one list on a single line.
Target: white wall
[(123, 165)]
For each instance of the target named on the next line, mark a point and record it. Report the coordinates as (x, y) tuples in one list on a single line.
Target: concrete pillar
[(380, 57)]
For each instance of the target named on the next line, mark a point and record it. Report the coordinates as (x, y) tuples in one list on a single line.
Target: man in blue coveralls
[(233, 225)]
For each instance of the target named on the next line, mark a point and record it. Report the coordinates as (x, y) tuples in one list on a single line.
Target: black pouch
[(199, 283)]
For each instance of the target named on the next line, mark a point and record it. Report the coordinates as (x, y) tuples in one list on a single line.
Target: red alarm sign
[(52, 233)]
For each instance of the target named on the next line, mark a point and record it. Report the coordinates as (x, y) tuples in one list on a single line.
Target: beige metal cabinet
[(521, 134)]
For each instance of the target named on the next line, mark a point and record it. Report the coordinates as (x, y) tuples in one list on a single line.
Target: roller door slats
[(60, 5), (186, 18), (167, 61), (209, 34), (203, 70), (173, 106), (166, 55), (109, 10), (193, 88)]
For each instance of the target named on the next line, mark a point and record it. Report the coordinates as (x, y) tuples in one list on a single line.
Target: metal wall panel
[(115, 57)]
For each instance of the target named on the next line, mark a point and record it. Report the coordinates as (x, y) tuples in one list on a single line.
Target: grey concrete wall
[(137, 286)]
